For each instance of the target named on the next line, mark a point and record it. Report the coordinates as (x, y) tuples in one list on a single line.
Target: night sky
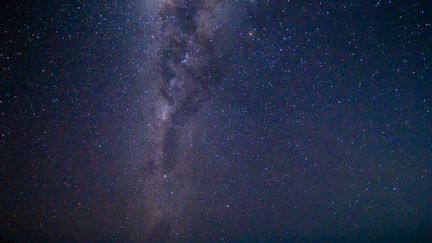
[(216, 120)]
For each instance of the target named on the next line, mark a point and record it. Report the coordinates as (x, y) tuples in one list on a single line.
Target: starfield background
[(216, 121)]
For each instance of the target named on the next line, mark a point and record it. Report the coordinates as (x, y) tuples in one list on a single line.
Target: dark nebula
[(188, 67)]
